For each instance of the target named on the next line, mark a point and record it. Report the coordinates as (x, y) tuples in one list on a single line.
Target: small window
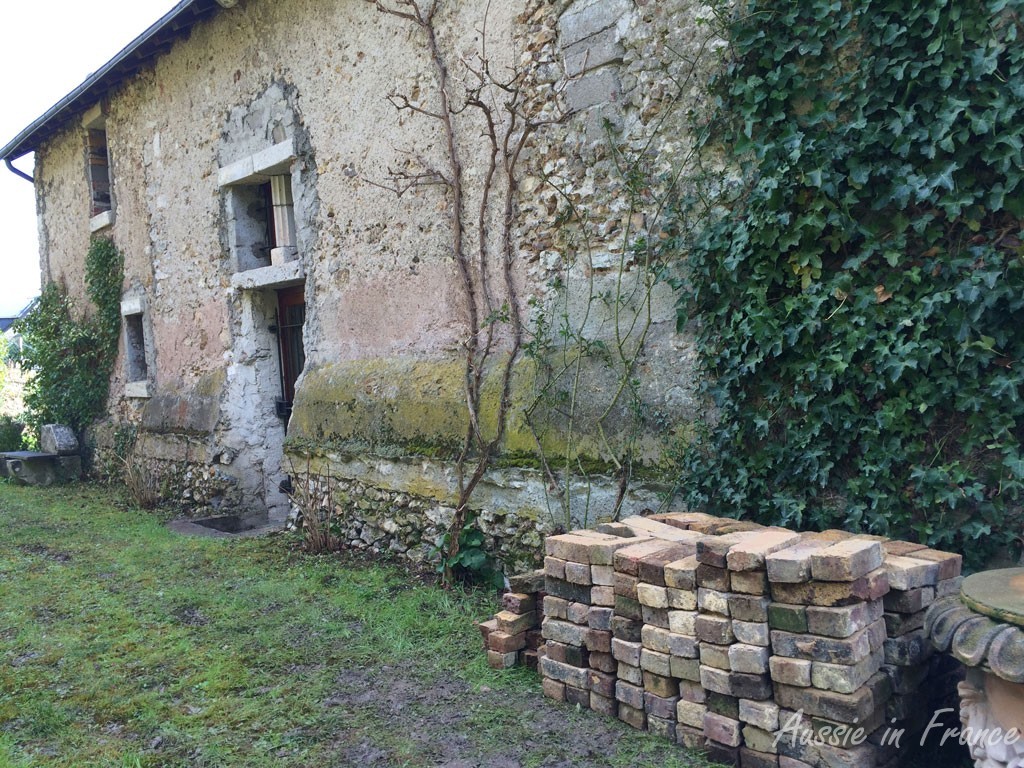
[(137, 347), (138, 370), (97, 169), (261, 208)]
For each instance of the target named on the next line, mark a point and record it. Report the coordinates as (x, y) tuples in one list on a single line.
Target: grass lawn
[(125, 644)]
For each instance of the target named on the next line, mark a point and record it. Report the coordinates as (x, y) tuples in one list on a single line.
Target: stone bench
[(59, 461)]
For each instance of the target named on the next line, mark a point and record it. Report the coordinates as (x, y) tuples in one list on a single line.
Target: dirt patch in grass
[(447, 722)]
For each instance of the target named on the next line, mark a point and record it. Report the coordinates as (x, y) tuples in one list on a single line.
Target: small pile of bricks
[(766, 648), (512, 638)]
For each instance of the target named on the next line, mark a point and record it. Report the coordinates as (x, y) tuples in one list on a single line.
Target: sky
[(50, 46)]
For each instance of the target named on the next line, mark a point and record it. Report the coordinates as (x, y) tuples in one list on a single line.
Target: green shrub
[(861, 296), (71, 352), (11, 434)]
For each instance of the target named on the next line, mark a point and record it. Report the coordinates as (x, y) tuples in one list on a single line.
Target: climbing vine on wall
[(71, 352), (861, 295)]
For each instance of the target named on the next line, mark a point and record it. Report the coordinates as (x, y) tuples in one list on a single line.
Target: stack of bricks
[(513, 637), (827, 638), (917, 577), (577, 665), (767, 648)]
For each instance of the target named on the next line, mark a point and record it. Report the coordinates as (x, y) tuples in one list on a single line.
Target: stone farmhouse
[(312, 212)]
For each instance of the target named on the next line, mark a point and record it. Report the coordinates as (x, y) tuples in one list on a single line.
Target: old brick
[(842, 707), (690, 713), (691, 691), (682, 574), (603, 596), (656, 616), (597, 640), (602, 575), (683, 645), (681, 599), (897, 624), (849, 650), (714, 550), (845, 678), (627, 559), (554, 568), (713, 629), (751, 758), (749, 555), (752, 632), (723, 704), (909, 601), (504, 643), (556, 607), (762, 714), (948, 587), (713, 578), (834, 593), (660, 685), (603, 662), (627, 608), (901, 548), (603, 704), (759, 739), (751, 659), (793, 565), (626, 629), (601, 683), (528, 583), (685, 668), (513, 624), (574, 695), (486, 627), (737, 684), (564, 673), (912, 648), (633, 695), (749, 582), (651, 567), (843, 621), (656, 662), (655, 638), (688, 737), (661, 727), (625, 585), (600, 618), (579, 612), (716, 656), (553, 689), (575, 546), (713, 601), (563, 632), (630, 674), (949, 564), (574, 593), (652, 595), (788, 671), (633, 716), (749, 607), (577, 573), (498, 660), (626, 652), (722, 729), (515, 602), (789, 618), (660, 706), (682, 622), (909, 573), (603, 552), (846, 560)]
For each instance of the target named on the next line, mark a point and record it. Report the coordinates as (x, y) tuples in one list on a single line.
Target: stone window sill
[(275, 276), (101, 221), (138, 389)]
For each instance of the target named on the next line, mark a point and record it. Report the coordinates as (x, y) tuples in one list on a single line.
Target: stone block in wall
[(600, 87), (585, 19), (593, 52)]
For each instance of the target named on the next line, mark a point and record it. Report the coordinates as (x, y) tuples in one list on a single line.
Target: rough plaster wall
[(380, 280)]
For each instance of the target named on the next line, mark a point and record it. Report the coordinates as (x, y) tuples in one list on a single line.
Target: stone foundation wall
[(763, 646)]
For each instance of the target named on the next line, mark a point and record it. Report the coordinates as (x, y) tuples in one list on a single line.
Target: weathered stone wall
[(385, 316)]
